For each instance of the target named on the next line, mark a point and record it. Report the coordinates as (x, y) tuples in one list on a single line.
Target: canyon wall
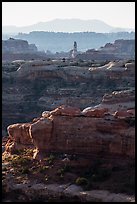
[(29, 87)]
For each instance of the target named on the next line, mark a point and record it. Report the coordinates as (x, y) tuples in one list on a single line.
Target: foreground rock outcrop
[(68, 192), (94, 130)]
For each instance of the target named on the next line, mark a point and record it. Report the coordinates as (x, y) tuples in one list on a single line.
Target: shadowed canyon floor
[(21, 173)]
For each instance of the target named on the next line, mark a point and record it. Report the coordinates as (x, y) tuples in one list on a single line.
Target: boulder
[(46, 114)]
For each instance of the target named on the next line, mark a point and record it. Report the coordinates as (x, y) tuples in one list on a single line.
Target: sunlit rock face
[(84, 135), (93, 130), (19, 137), (119, 101)]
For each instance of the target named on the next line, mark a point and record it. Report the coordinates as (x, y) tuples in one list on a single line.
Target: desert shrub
[(50, 159), (18, 160), (60, 172), (42, 169), (18, 151), (81, 181), (25, 170), (65, 168)]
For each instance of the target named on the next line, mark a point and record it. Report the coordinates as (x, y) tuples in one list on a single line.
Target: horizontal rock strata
[(29, 87), (69, 130)]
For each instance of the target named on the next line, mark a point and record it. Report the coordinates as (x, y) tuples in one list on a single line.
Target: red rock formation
[(75, 135), (94, 130), (95, 112), (119, 101), (124, 114), (66, 110), (19, 137), (41, 133)]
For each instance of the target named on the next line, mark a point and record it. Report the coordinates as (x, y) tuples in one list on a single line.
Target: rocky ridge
[(27, 88), (91, 131)]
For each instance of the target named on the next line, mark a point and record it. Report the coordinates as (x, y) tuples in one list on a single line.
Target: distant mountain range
[(66, 25), (59, 41)]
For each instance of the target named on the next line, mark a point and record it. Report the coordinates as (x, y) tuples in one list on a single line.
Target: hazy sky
[(117, 14)]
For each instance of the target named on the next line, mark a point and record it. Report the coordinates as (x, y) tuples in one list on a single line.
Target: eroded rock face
[(29, 87), (66, 110), (19, 137), (124, 114), (41, 133), (119, 101), (68, 131), (95, 112)]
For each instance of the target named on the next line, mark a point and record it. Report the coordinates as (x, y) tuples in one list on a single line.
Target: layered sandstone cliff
[(95, 130), (29, 87)]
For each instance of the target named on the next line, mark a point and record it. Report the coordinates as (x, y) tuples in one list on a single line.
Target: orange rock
[(66, 110), (99, 113), (75, 135), (123, 114), (20, 133), (19, 137), (41, 133)]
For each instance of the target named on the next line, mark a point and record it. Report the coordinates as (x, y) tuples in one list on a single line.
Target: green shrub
[(50, 159), (18, 151), (81, 181), (65, 168), (43, 169), (18, 160), (60, 172)]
